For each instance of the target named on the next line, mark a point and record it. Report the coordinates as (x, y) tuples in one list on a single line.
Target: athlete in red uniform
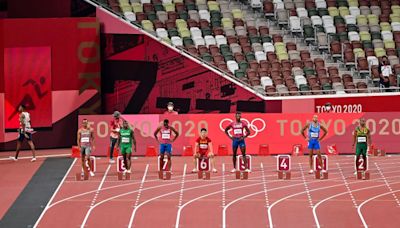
[(203, 147)]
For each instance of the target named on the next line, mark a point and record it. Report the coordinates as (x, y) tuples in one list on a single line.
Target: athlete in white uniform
[(25, 132)]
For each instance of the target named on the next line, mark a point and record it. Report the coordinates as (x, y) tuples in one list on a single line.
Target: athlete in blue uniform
[(313, 138)]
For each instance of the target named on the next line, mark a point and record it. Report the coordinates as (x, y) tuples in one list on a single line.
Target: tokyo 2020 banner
[(279, 131)]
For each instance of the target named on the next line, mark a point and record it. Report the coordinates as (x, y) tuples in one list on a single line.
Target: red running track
[(261, 201)]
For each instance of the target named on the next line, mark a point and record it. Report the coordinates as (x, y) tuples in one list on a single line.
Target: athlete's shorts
[(22, 136), (238, 143), (125, 149), (313, 144), (165, 148), (361, 148), (86, 150)]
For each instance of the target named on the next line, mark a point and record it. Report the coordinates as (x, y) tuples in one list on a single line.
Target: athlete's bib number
[(314, 135), (362, 139), (165, 136), (85, 139), (203, 146), (237, 131), (125, 140)]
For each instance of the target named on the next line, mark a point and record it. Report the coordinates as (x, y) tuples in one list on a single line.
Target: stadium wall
[(279, 131), (53, 67)]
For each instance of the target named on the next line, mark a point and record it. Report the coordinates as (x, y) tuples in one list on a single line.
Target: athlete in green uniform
[(362, 139), (125, 141)]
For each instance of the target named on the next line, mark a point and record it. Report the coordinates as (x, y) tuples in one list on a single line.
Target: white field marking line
[(182, 185), (148, 181), (340, 194), (265, 186), (54, 194), (246, 196), (223, 185), (123, 185), (155, 180), (95, 196), (141, 185), (256, 193), (39, 156), (296, 194), (368, 200), (306, 186), (347, 186), (117, 186), (253, 194), (167, 194), (387, 184)]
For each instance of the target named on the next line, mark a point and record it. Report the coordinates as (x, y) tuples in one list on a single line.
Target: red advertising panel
[(27, 74), (359, 104), (279, 131)]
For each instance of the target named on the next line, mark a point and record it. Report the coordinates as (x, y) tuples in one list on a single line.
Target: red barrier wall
[(71, 64), (279, 131)]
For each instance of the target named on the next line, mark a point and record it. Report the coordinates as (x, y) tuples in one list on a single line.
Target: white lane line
[(54, 194), (182, 185), (265, 186), (223, 185), (368, 200), (141, 185), (95, 196), (387, 184), (39, 156), (347, 185), (340, 194), (155, 180), (297, 194), (306, 185)]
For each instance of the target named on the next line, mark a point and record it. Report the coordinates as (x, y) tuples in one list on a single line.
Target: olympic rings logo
[(253, 126)]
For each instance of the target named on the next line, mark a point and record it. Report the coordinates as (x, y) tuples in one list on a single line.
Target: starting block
[(241, 172), (318, 169), (164, 171), (297, 150), (283, 166), (321, 175), (80, 177), (122, 176), (203, 167), (362, 168), (85, 176), (379, 152)]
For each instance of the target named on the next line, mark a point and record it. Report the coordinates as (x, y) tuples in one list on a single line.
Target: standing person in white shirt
[(25, 132), (385, 71)]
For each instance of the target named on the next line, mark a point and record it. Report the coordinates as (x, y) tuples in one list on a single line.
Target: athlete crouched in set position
[(203, 147), (238, 137), (25, 132), (314, 129), (86, 144), (125, 141), (362, 139), (166, 140)]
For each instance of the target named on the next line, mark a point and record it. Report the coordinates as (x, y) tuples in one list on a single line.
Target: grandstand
[(279, 48)]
